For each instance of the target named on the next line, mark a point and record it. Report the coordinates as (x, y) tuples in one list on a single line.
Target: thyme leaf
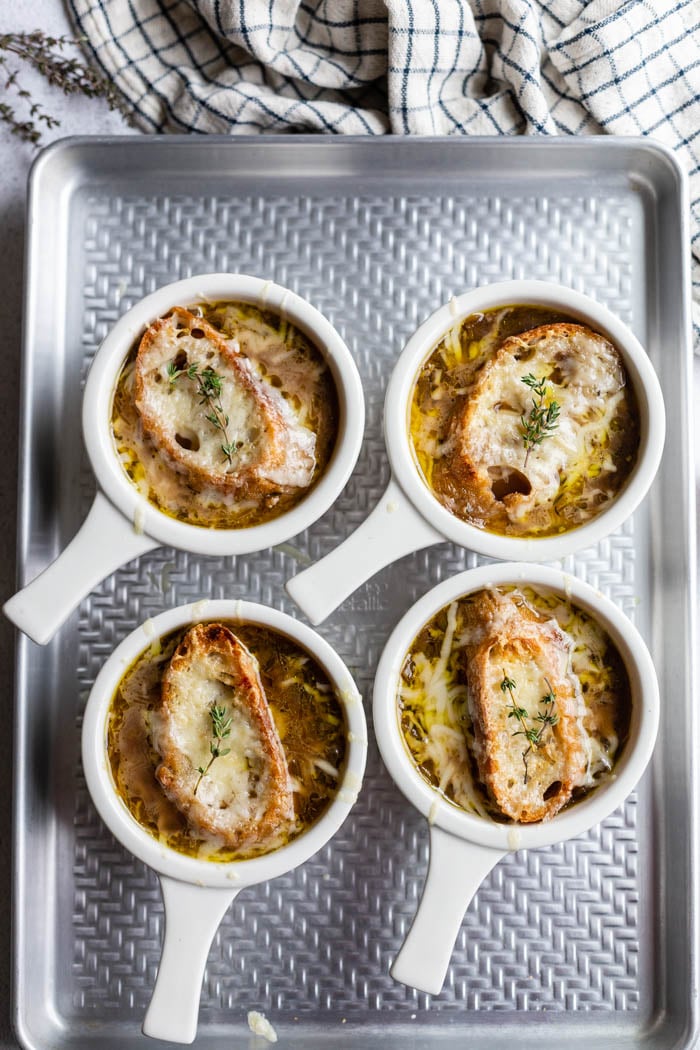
[(532, 733), (209, 387), (46, 54), (542, 420), (220, 729)]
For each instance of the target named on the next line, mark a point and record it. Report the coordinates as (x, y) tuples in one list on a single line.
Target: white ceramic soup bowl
[(464, 847), (408, 515), (122, 523), (197, 893)]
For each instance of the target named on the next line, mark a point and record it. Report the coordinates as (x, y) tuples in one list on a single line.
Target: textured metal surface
[(570, 930)]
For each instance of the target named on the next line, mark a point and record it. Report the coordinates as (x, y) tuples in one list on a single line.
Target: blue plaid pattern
[(426, 67)]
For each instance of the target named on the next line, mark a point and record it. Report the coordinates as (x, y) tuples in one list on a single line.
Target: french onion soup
[(226, 741), (224, 416), (524, 422), (514, 703)]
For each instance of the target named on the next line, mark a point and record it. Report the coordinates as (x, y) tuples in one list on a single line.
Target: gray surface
[(580, 936), (77, 115)]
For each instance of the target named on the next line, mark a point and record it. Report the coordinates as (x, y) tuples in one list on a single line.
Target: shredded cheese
[(433, 699), (259, 1025), (468, 416)]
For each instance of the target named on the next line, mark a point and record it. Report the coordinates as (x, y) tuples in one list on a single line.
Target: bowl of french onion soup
[(222, 414), (223, 744), (523, 421), (514, 706)]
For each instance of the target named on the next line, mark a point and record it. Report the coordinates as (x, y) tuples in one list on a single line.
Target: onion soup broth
[(287, 361), (307, 714), (433, 698), (523, 494)]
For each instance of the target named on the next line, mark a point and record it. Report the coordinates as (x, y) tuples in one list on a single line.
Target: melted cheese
[(235, 781), (589, 393), (434, 709), (287, 379), (309, 722), (299, 442), (470, 408), (276, 354), (253, 413)]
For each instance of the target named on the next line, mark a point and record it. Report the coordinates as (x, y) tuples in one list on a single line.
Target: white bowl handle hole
[(192, 917), (455, 871), (104, 542), (394, 528)]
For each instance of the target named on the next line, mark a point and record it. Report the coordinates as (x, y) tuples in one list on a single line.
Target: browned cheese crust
[(246, 795), (485, 474), (528, 782), (272, 452)]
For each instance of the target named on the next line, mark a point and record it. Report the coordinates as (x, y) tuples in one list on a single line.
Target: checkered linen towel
[(426, 67)]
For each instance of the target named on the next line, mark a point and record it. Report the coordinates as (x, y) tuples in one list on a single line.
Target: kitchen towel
[(423, 67)]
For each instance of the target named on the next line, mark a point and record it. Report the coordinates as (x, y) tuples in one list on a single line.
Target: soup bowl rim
[(580, 307), (581, 815), (103, 378), (112, 809)]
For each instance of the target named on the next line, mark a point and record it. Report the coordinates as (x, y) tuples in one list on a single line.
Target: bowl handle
[(394, 528), (455, 872), (192, 917), (104, 542)]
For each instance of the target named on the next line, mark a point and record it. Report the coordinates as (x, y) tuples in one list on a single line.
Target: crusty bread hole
[(189, 440), (553, 790), (525, 354), (505, 481)]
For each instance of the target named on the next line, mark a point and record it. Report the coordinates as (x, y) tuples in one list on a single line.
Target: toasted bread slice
[(529, 780), (269, 450), (245, 795), (486, 458)]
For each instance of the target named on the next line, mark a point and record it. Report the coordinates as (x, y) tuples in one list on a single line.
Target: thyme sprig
[(220, 729), (209, 386), (72, 76), (532, 733), (543, 417)]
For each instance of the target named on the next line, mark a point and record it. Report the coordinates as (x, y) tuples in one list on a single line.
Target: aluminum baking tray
[(592, 942)]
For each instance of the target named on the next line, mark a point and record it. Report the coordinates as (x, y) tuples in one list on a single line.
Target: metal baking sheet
[(592, 940)]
